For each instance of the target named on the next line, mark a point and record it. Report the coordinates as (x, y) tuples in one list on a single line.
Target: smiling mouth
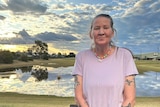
[(103, 37)]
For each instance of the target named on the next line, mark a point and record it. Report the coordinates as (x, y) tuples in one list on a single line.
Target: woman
[(104, 74)]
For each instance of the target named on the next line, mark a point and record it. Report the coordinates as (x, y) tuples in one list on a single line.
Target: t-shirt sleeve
[(129, 64), (77, 69)]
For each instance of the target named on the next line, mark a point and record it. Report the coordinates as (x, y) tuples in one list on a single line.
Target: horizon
[(64, 24)]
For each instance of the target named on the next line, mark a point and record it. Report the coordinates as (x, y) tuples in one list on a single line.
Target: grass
[(147, 102), (20, 100), (147, 65), (57, 62), (142, 65)]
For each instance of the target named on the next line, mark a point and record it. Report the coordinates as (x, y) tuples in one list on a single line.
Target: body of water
[(59, 82)]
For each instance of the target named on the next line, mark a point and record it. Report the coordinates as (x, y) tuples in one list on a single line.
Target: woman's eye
[(96, 28), (106, 27)]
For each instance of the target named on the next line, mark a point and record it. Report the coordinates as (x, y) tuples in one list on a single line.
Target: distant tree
[(40, 49), (17, 54), (59, 54), (6, 57), (71, 54), (29, 51), (23, 57)]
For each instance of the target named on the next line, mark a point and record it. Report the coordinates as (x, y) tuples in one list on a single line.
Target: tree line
[(38, 51)]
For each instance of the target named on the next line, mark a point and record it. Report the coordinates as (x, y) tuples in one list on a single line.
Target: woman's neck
[(102, 52)]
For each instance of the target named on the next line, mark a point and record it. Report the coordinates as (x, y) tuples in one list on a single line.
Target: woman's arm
[(79, 91), (129, 91)]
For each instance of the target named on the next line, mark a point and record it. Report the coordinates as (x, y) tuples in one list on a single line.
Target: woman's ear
[(90, 35), (112, 32)]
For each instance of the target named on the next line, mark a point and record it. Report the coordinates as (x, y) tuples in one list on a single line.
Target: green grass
[(147, 102), (57, 62), (142, 65), (20, 100), (147, 65)]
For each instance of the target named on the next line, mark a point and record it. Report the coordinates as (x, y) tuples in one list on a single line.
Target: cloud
[(63, 7), (23, 37), (136, 21), (142, 7), (2, 17), (26, 6), (2, 7), (49, 36), (138, 27)]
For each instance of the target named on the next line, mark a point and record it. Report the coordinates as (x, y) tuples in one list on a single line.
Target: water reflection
[(58, 81), (39, 72), (148, 84)]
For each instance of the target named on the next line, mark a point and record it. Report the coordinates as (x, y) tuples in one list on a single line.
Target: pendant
[(99, 60)]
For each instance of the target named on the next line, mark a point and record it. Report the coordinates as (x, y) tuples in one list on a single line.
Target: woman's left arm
[(129, 91)]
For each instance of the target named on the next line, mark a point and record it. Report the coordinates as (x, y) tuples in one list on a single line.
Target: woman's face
[(101, 31)]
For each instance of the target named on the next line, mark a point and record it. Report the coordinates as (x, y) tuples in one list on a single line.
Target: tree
[(23, 57), (40, 49), (6, 57), (40, 73), (71, 54)]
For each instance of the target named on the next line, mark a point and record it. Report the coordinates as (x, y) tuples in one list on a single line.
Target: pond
[(59, 82)]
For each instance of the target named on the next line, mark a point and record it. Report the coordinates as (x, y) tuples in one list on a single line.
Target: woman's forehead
[(101, 20)]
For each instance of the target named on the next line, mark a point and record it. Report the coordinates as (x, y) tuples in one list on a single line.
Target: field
[(146, 65), (20, 100), (142, 65), (57, 62)]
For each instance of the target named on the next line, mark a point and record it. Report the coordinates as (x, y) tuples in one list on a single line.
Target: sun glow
[(23, 48), (8, 47), (13, 48)]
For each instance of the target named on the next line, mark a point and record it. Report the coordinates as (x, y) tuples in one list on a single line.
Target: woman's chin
[(102, 43)]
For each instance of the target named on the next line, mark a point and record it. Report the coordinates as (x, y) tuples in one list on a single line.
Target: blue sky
[(64, 24)]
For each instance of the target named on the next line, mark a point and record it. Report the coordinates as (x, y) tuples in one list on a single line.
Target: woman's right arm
[(79, 91)]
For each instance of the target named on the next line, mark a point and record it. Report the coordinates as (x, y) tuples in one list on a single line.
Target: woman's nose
[(101, 32)]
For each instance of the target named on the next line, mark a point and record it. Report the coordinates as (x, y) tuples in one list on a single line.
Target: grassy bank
[(148, 65), (142, 65), (57, 62), (147, 102), (20, 100)]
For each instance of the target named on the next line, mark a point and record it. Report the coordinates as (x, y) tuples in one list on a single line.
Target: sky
[(64, 24)]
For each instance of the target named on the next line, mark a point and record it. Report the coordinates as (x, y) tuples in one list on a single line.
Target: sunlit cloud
[(136, 21)]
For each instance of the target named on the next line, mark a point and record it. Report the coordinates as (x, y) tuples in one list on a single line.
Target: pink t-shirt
[(103, 82)]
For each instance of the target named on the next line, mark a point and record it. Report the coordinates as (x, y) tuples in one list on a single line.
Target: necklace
[(100, 58)]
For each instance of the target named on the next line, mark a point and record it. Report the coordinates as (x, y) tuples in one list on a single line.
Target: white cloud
[(141, 7), (137, 21), (155, 6), (3, 2)]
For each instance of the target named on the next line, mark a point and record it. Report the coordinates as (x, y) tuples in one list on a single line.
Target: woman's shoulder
[(84, 52), (124, 50)]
